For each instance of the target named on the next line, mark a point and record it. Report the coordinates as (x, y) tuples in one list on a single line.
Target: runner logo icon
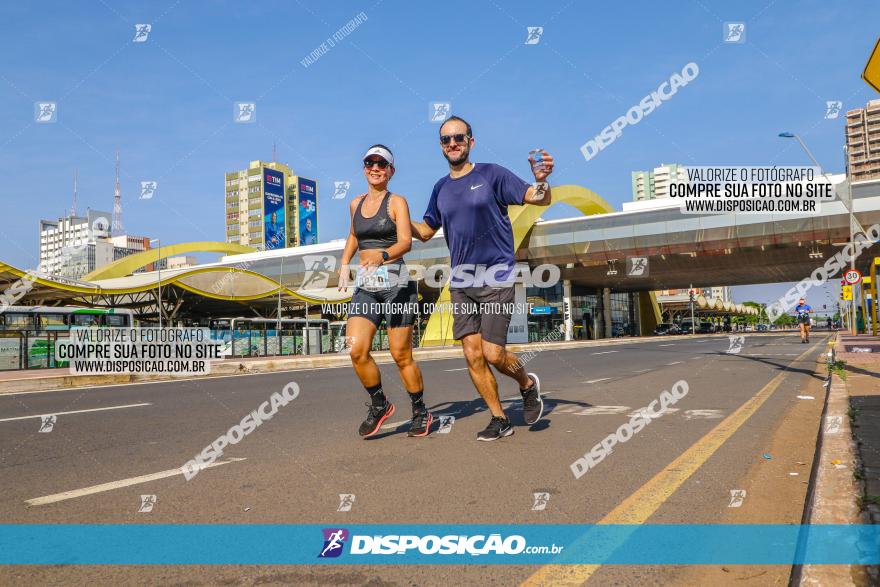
[(334, 540), (346, 500)]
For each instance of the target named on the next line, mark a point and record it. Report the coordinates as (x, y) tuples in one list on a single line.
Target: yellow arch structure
[(262, 286), (438, 332), (128, 265)]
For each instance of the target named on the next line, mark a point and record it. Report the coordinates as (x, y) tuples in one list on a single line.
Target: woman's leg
[(360, 331), (400, 342)]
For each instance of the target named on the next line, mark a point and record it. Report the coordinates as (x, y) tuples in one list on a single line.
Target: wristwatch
[(385, 255)]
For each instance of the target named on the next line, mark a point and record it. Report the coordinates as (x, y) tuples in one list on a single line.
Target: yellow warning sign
[(846, 293), (871, 75)]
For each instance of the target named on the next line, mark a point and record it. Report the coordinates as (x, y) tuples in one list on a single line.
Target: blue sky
[(167, 103)]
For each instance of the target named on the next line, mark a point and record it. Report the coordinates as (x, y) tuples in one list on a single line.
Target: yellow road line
[(641, 505)]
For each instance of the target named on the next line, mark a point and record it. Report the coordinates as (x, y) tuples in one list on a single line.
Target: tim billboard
[(308, 212), (274, 235)]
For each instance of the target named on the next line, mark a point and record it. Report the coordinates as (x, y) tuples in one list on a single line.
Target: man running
[(471, 205), (803, 319)]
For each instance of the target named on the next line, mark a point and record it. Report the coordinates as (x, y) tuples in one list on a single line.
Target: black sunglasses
[(459, 138), (368, 163)]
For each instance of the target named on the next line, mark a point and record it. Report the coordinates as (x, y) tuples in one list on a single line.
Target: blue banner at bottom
[(379, 544)]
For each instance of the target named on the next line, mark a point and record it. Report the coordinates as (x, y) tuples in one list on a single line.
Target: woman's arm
[(351, 247)]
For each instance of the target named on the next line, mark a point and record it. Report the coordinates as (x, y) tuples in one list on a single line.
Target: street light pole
[(854, 224), (278, 327), (159, 277)]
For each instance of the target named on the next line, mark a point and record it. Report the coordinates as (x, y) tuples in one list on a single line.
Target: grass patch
[(838, 368)]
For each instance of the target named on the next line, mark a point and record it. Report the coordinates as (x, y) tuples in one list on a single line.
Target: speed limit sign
[(852, 276)]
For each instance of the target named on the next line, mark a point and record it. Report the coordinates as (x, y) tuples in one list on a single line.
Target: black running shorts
[(398, 305), (483, 310)]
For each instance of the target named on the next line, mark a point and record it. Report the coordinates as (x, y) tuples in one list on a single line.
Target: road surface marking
[(460, 369), (65, 495), (603, 410), (75, 412), (643, 370), (673, 363), (641, 505), (598, 380), (605, 352), (670, 344)]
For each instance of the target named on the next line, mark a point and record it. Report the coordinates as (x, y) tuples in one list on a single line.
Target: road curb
[(835, 492), (227, 367)]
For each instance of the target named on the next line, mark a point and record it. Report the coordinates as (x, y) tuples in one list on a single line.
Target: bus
[(28, 333)]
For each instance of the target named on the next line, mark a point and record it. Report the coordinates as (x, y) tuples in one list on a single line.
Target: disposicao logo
[(334, 541)]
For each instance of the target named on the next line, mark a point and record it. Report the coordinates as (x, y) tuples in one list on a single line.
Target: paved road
[(294, 467)]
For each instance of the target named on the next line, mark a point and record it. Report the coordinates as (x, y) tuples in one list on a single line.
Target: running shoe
[(376, 416), (533, 404), (421, 423), (498, 428)]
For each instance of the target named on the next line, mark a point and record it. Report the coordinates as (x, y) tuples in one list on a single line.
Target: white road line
[(670, 344), (673, 363), (75, 412), (605, 352), (393, 425), (696, 358), (65, 495), (597, 380), (643, 370), (462, 369)]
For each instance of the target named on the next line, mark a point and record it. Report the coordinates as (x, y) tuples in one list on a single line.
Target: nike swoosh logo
[(473, 187)]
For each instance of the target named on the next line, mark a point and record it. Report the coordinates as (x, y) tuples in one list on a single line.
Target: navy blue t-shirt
[(472, 210)]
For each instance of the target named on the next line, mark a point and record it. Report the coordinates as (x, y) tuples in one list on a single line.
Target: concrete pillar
[(606, 312), (568, 321)]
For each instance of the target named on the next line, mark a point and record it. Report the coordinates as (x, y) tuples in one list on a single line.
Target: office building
[(74, 245), (863, 142), (268, 207), (650, 185)]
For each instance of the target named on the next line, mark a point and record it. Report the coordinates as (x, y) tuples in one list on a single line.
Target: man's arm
[(540, 196), (422, 231), (533, 197)]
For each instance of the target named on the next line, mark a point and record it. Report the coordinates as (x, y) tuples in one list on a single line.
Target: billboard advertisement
[(308, 212), (273, 210)]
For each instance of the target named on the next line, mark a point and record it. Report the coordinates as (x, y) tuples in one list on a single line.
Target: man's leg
[(506, 362), (481, 374)]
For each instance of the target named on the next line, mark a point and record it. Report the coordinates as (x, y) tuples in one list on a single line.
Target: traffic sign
[(846, 293), (852, 276), (871, 74)]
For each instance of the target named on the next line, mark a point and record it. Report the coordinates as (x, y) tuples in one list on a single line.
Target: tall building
[(863, 142), (74, 246), (269, 207), (650, 185), (69, 245)]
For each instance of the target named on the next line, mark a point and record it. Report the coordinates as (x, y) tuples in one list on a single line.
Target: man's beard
[(463, 157)]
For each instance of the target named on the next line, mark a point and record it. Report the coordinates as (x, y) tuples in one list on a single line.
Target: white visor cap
[(381, 152)]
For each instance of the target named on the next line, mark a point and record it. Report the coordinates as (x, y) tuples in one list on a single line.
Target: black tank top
[(379, 231)]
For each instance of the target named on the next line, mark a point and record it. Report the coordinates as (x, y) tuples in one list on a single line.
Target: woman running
[(381, 231)]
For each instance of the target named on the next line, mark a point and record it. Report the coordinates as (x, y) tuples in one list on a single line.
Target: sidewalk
[(862, 357), (846, 472), (58, 379)]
